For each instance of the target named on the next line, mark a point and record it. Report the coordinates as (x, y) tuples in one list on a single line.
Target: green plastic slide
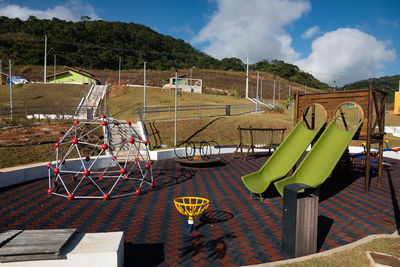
[(282, 160), (322, 159)]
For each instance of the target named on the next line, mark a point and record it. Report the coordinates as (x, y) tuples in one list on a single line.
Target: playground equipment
[(322, 159), (191, 206), (282, 160), (371, 103), (325, 154), (198, 152), (89, 161), (259, 138), (362, 155)]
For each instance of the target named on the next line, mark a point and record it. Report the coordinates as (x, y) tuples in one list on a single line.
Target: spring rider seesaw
[(191, 206)]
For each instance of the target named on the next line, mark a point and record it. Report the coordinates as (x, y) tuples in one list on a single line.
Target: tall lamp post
[(258, 77), (273, 101), (119, 71), (45, 59), (55, 66), (176, 101), (144, 91), (10, 80)]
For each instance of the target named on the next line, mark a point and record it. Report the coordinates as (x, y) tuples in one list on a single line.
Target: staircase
[(91, 101), (119, 136), (254, 100)]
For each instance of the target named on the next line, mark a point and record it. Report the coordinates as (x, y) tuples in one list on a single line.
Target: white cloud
[(311, 32), (392, 23), (346, 55), (71, 11), (254, 27)]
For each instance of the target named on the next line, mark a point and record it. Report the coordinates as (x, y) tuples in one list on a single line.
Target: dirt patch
[(31, 135), (24, 145)]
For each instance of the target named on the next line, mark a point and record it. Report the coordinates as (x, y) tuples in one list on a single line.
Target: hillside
[(100, 44), (389, 83), (95, 44), (214, 81)]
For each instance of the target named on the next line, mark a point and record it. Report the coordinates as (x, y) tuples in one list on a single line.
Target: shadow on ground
[(148, 254), (213, 248)]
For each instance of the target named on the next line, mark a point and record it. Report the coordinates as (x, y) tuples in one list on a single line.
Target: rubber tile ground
[(234, 230)]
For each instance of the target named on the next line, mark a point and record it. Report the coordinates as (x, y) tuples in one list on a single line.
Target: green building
[(73, 75)]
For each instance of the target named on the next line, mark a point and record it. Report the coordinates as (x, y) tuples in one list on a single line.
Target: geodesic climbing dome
[(100, 158)]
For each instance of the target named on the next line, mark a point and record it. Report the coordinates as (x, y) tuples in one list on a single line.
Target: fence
[(38, 115), (191, 112)]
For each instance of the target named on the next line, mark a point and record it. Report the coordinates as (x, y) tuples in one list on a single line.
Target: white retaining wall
[(25, 173), (31, 172)]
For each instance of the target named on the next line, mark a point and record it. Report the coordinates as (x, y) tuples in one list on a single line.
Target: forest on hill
[(388, 83), (99, 45)]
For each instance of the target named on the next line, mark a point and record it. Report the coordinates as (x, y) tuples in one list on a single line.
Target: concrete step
[(122, 149)]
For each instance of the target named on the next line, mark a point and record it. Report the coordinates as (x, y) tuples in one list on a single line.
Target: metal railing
[(191, 112)]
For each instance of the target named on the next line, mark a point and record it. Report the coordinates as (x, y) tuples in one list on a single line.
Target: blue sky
[(335, 40)]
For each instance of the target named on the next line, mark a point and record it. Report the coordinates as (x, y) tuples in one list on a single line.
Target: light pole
[(273, 101), (144, 91), (55, 65), (47, 52), (176, 101), (45, 59), (258, 77), (247, 76), (246, 68), (10, 79), (119, 72)]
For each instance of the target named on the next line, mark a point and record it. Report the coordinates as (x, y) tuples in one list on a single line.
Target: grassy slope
[(223, 129), (356, 256), (39, 94), (121, 105), (212, 79)]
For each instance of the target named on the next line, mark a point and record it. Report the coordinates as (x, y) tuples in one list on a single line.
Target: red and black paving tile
[(234, 231)]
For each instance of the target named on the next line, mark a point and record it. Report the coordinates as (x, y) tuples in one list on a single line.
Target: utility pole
[(45, 58), (334, 86), (279, 92), (273, 101), (176, 101), (257, 92), (247, 76), (55, 65), (119, 72), (144, 91), (10, 79), (190, 77)]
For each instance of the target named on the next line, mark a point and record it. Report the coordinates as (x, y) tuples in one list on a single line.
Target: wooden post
[(251, 143), (368, 147), (381, 123), (313, 117), (299, 220)]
